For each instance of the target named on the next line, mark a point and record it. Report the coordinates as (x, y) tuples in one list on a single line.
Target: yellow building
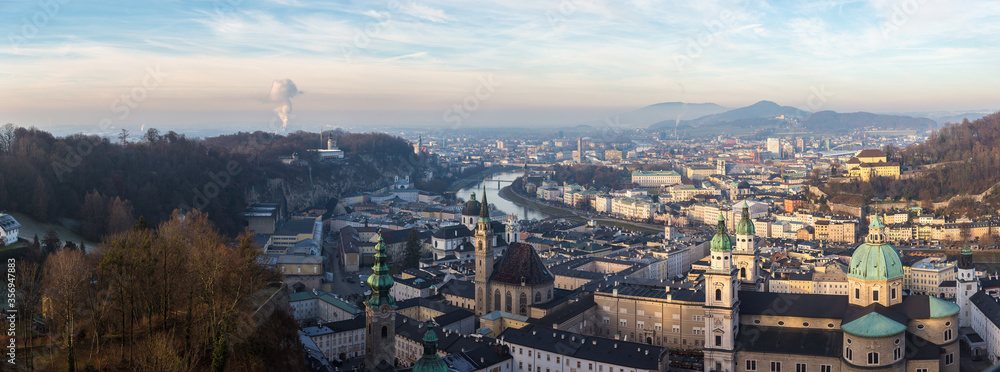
[(870, 163)]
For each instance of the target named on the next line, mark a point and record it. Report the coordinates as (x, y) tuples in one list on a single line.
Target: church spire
[(484, 211), (380, 281)]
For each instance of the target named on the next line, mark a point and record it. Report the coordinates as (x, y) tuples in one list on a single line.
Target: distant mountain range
[(834, 121), (759, 110), (666, 111), (766, 114)]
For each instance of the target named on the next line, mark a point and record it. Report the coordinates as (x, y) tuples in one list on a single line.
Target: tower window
[(857, 293), (872, 358), (718, 340), (893, 292), (875, 295), (385, 331), (718, 295)]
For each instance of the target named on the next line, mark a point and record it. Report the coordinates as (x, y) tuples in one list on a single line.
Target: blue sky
[(407, 63)]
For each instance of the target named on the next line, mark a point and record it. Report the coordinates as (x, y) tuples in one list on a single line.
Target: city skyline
[(517, 63)]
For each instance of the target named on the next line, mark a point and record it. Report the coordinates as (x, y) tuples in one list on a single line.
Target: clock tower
[(380, 313)]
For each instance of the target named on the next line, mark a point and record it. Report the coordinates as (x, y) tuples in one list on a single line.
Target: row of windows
[(875, 294), (776, 367), (873, 357)]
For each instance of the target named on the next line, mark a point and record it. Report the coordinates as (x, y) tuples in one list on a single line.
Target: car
[(351, 280)]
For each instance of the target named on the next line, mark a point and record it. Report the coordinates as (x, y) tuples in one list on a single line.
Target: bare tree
[(66, 274), (123, 136)]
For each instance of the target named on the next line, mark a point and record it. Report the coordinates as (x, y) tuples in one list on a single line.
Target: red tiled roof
[(521, 261), (871, 153)]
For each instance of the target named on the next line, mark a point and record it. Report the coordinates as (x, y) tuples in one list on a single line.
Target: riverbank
[(570, 214), (478, 176)]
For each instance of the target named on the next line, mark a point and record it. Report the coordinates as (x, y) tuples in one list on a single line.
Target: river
[(493, 193)]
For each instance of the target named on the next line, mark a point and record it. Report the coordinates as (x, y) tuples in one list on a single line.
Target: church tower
[(484, 257), (745, 254), (380, 313), (968, 285), (875, 274), (721, 304), (513, 230)]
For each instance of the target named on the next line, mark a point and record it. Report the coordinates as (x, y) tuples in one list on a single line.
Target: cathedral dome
[(472, 206), (875, 259), (430, 362)]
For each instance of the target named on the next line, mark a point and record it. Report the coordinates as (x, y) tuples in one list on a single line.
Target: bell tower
[(484, 257), (745, 254), (967, 286), (721, 304), (380, 313)]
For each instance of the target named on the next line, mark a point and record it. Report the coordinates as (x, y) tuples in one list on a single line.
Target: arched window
[(743, 272), (509, 303), (523, 306), (496, 300), (538, 297), (385, 331), (718, 295), (850, 354), (872, 358)]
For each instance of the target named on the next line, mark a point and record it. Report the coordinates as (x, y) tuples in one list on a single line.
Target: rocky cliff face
[(325, 181)]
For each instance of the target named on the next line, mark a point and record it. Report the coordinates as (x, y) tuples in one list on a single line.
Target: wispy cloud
[(426, 13), (558, 53)]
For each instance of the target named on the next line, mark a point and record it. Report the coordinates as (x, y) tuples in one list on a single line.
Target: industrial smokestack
[(281, 93)]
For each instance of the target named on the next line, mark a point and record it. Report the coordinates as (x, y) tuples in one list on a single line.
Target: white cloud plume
[(282, 92)]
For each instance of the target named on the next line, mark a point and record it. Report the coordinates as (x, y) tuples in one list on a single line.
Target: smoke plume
[(281, 93)]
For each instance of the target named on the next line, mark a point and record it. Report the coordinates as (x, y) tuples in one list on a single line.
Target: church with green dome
[(875, 327)]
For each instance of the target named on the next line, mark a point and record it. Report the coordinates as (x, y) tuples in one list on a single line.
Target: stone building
[(515, 282)]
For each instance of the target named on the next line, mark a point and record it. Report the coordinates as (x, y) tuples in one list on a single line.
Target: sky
[(96, 66)]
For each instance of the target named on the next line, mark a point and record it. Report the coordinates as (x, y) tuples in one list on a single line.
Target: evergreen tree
[(412, 258), (52, 242)]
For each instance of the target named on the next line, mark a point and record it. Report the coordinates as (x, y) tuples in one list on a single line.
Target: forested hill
[(959, 159), (107, 184)]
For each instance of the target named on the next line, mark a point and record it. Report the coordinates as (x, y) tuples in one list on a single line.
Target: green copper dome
[(875, 259), (940, 308), (873, 325), (721, 241), (380, 281), (745, 226), (430, 362)]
